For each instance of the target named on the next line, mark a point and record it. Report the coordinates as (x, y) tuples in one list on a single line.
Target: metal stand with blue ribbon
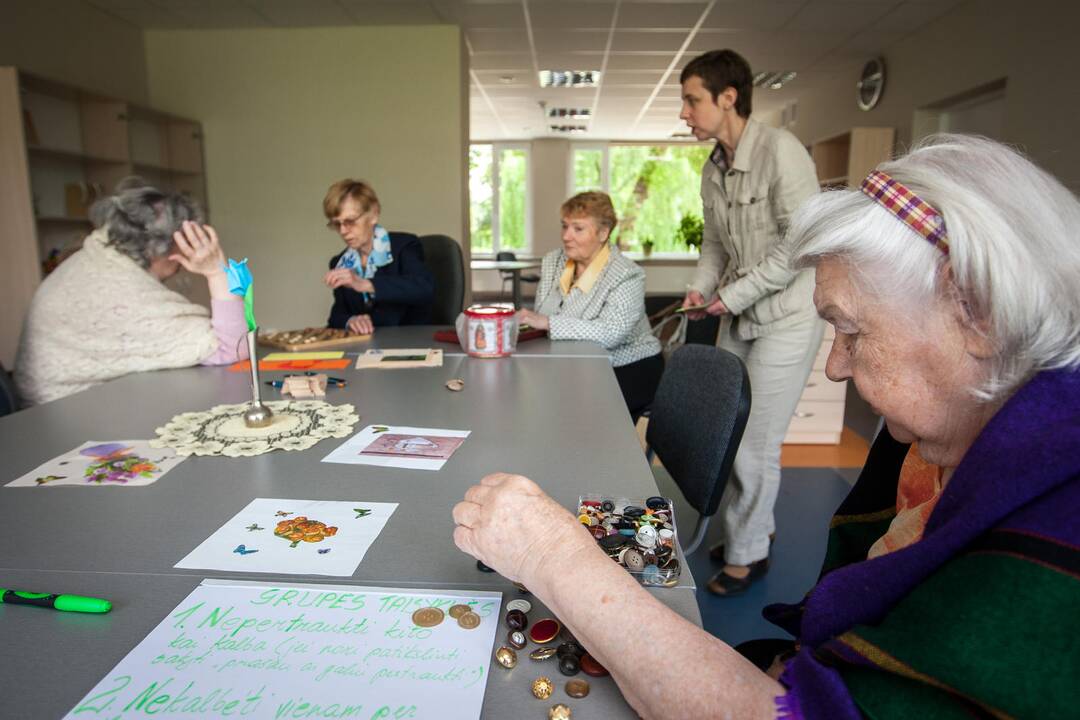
[(240, 283)]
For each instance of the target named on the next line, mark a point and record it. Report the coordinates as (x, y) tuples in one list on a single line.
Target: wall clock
[(871, 84)]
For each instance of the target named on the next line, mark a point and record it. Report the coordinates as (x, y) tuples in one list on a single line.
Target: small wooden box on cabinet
[(59, 144)]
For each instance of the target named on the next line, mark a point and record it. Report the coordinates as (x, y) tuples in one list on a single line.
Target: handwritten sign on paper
[(274, 651)]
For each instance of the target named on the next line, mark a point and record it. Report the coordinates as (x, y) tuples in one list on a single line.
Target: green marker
[(71, 603)]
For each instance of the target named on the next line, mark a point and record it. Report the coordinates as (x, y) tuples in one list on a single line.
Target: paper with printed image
[(97, 463), (303, 537), (399, 446), (269, 650)]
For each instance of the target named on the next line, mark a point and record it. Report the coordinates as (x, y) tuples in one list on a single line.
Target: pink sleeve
[(230, 327)]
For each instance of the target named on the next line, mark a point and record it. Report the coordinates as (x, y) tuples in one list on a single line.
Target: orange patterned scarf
[(916, 495)]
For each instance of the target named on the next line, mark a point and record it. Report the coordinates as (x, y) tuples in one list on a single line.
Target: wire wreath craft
[(221, 430)]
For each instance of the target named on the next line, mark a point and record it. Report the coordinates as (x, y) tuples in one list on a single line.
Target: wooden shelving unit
[(841, 160), (60, 148)]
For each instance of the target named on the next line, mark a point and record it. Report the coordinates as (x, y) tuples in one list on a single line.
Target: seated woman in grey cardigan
[(589, 291)]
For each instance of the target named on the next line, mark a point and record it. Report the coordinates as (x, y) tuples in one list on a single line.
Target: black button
[(607, 506), (656, 503), (569, 665), (632, 511), (483, 568)]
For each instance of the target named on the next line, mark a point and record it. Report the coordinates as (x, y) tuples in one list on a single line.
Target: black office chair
[(9, 399), (442, 255), (696, 424), (508, 276)]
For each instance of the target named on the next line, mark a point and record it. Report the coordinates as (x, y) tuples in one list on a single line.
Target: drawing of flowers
[(120, 469)]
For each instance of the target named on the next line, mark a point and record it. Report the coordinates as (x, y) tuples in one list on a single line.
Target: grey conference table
[(553, 412), (514, 267)]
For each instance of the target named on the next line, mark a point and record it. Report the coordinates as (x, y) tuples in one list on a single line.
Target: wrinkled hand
[(533, 319), (510, 524), (693, 297), (344, 277), (360, 325), (198, 249)]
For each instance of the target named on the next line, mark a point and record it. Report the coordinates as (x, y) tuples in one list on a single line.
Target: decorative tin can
[(491, 331)]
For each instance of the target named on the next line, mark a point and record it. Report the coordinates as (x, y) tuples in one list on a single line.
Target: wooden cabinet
[(60, 149), (842, 160)]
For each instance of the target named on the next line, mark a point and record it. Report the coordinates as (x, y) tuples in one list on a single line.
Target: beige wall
[(1032, 44), (286, 112), (74, 43)]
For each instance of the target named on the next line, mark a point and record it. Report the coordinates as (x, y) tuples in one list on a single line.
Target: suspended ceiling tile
[(632, 41), (556, 41), (392, 12), (837, 16), (660, 15), (513, 62), (568, 15), (751, 14), (208, 14)]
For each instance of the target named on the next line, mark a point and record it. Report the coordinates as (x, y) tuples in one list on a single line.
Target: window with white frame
[(499, 198), (656, 189)]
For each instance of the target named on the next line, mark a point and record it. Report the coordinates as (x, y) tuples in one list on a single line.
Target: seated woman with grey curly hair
[(105, 311)]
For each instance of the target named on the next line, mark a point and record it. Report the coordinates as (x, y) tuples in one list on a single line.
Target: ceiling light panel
[(569, 78)]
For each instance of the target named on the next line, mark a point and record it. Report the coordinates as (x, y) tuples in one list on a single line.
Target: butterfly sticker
[(379, 429), (253, 527), (324, 551), (241, 550), (282, 513), (361, 512), (49, 478)]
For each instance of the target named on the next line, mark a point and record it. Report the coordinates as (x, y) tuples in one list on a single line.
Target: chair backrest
[(697, 421), (9, 399), (442, 255), (509, 257)]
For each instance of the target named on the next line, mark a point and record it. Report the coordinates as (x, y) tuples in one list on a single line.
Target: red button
[(544, 630), (590, 666)]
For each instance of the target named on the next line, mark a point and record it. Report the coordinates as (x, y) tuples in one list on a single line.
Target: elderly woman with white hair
[(949, 587), (105, 312)]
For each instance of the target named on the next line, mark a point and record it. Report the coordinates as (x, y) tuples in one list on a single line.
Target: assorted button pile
[(640, 536), (571, 656)]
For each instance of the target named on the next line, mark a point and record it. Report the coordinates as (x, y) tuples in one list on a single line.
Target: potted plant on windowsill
[(647, 246), (690, 231)]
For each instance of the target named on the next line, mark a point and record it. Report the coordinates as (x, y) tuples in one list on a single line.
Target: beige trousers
[(778, 365)]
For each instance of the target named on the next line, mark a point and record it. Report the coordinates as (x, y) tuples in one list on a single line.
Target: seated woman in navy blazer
[(380, 278)]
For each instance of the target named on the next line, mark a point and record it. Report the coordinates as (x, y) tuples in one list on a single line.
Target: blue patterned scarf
[(380, 257)]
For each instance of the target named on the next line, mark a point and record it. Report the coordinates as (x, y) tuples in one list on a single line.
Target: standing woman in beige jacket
[(750, 186)]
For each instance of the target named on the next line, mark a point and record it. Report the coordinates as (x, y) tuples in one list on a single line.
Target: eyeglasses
[(347, 223)]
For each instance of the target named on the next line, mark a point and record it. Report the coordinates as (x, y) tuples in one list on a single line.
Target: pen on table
[(336, 382), (71, 603)]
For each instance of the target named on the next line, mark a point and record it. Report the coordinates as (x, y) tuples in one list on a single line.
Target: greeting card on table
[(303, 537), (119, 463), (267, 650), (399, 446)]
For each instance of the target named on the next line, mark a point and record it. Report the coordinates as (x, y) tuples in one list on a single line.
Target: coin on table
[(457, 611), (577, 688), (428, 617), (520, 604), (469, 620), (542, 688)]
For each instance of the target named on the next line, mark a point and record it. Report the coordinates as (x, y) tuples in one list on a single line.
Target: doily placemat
[(296, 425)]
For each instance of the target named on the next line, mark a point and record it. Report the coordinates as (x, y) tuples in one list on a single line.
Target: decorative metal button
[(559, 712), (517, 640), (542, 688), (506, 657), (543, 653)]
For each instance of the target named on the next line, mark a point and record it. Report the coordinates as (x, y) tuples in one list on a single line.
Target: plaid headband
[(916, 213)]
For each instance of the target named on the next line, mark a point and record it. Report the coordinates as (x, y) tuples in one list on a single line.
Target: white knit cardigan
[(100, 315)]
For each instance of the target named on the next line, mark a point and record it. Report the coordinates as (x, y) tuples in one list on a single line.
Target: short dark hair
[(721, 69)]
